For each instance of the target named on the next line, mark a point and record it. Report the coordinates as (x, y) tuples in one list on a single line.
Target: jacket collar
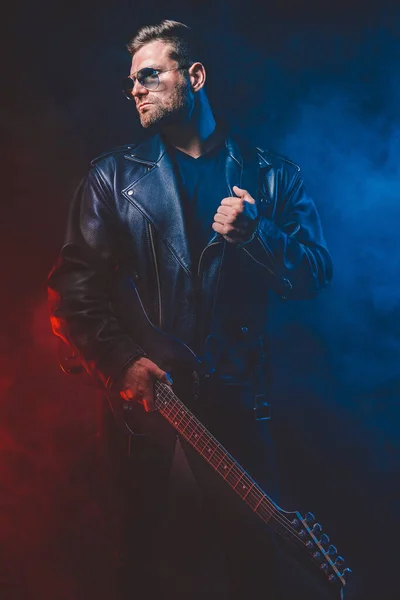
[(152, 149)]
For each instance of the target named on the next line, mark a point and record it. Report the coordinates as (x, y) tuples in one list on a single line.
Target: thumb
[(164, 377), (244, 194)]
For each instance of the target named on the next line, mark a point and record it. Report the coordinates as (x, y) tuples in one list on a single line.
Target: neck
[(197, 134)]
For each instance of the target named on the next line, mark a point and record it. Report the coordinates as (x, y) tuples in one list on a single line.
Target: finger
[(148, 403), (167, 379), (218, 228), (232, 202), (224, 220), (224, 229), (126, 394), (243, 194), (225, 210)]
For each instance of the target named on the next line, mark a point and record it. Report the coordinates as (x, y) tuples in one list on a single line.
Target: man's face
[(171, 101)]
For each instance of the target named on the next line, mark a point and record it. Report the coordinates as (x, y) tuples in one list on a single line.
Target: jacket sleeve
[(292, 248), (81, 281)]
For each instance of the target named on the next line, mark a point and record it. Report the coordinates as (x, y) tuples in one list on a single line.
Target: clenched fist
[(236, 217)]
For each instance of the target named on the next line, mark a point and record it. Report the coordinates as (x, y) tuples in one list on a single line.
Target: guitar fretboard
[(190, 428)]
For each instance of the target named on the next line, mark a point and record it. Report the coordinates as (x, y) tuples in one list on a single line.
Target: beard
[(167, 111)]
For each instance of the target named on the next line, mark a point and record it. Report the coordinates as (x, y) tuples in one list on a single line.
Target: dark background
[(318, 83)]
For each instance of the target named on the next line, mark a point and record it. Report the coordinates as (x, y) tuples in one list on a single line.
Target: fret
[(258, 504), (190, 420), (163, 408), (173, 412), (225, 466), (179, 417), (233, 477), (264, 511), (217, 458), (243, 486), (234, 487), (209, 449), (195, 434), (254, 497), (191, 426), (248, 492), (202, 441), (168, 406), (162, 399)]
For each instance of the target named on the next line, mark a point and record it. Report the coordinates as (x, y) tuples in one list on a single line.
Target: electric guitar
[(301, 532)]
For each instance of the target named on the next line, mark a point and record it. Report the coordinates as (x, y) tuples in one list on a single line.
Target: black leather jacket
[(126, 221)]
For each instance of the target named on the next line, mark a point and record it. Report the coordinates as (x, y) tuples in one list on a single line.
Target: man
[(204, 227)]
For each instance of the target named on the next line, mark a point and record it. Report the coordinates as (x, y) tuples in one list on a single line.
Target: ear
[(197, 76)]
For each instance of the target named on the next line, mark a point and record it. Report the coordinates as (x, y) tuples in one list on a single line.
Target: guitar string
[(267, 513), (234, 469), (264, 512), (264, 506)]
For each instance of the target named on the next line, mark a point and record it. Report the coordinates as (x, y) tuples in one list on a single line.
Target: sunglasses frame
[(136, 77)]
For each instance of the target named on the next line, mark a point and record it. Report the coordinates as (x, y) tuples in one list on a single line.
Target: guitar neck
[(194, 432), (294, 530)]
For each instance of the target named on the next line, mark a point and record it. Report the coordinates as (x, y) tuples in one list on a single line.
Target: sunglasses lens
[(148, 78)]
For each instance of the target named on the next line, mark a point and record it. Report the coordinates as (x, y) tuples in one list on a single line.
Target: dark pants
[(187, 536)]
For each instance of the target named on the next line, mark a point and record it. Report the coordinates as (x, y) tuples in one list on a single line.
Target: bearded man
[(204, 227)]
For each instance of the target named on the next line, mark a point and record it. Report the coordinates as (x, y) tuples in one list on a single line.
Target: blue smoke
[(328, 97)]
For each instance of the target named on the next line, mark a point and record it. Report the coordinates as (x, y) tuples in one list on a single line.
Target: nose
[(138, 89)]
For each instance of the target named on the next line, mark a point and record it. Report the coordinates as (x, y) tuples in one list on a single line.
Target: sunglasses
[(147, 77)]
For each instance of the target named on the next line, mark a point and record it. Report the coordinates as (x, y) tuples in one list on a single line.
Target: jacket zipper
[(157, 275)]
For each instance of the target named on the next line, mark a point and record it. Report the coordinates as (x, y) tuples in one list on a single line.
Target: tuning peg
[(302, 533), (332, 550), (339, 561), (309, 518), (324, 540), (324, 567), (295, 523), (316, 529), (347, 570), (316, 555)]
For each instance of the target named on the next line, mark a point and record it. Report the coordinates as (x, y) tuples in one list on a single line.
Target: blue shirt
[(202, 185)]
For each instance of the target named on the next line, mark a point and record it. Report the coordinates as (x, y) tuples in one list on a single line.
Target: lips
[(143, 105)]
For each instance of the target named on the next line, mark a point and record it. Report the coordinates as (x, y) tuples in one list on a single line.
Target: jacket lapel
[(156, 192), (233, 176), (241, 169), (156, 195)]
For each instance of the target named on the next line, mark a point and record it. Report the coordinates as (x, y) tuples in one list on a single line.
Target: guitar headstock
[(319, 548)]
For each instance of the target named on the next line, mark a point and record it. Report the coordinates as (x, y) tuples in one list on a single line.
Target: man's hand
[(236, 218), (138, 382)]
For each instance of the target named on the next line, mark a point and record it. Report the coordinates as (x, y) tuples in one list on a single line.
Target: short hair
[(181, 38)]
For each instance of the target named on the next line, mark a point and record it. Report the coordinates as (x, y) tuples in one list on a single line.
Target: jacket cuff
[(262, 246), (111, 366), (258, 246)]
